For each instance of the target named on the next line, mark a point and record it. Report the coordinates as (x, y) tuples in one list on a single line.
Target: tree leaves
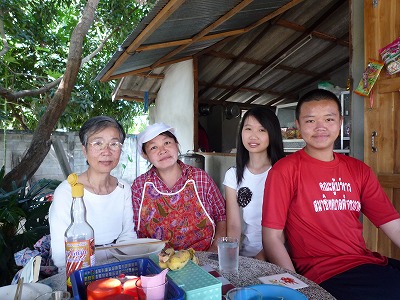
[(38, 33), (23, 220)]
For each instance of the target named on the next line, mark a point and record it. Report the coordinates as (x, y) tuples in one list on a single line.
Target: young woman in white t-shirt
[(259, 146)]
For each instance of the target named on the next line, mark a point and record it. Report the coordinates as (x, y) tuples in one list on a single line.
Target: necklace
[(92, 187)]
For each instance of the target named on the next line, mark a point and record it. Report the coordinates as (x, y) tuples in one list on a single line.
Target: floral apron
[(178, 217)]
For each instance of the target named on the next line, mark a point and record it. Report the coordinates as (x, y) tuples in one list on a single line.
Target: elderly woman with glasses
[(107, 198)]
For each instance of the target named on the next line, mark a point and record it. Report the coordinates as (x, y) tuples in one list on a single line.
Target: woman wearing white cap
[(174, 201)]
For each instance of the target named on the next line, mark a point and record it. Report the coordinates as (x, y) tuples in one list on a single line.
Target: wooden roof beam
[(280, 22), (303, 65), (256, 73), (311, 80), (259, 62), (148, 69), (203, 37), (205, 31), (242, 53), (163, 15), (229, 87), (317, 34)]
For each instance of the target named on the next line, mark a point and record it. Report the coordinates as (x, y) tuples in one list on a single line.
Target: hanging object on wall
[(204, 110), (232, 111), (391, 56), (146, 101), (369, 77)]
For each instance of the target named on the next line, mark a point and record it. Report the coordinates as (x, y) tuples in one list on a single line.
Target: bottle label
[(78, 254)]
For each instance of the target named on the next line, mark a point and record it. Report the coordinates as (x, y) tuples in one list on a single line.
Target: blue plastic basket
[(136, 267)]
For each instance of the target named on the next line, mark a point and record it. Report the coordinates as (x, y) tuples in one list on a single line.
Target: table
[(250, 270)]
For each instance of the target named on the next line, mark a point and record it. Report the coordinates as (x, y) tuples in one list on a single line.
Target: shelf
[(286, 115), (341, 150), (293, 140)]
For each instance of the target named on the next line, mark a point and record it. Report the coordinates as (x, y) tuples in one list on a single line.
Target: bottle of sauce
[(79, 236)]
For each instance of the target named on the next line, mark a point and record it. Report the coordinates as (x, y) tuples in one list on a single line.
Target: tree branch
[(41, 142), (3, 35), (101, 46), (13, 97)]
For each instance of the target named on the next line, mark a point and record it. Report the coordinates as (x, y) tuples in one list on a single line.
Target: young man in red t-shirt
[(313, 199)]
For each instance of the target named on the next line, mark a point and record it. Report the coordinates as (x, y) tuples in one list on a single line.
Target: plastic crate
[(195, 281), (136, 267)]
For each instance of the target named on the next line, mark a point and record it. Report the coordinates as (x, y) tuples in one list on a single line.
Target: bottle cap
[(77, 190), (72, 179)]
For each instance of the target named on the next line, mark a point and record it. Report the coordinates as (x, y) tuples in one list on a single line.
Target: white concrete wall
[(14, 144), (174, 103)]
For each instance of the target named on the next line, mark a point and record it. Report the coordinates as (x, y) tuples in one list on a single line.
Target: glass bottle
[(79, 236)]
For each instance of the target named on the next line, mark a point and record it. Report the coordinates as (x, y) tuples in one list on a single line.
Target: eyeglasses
[(100, 145)]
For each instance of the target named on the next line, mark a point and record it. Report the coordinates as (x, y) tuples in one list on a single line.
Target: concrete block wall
[(14, 144)]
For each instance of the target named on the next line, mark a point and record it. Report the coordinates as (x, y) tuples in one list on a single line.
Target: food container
[(103, 288), (135, 267), (195, 282), (193, 159)]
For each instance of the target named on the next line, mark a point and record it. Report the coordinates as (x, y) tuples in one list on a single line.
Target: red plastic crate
[(136, 267)]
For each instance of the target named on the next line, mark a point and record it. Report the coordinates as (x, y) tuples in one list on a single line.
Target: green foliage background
[(38, 33), (23, 220)]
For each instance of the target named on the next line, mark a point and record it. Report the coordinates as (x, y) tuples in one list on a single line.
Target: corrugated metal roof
[(244, 48)]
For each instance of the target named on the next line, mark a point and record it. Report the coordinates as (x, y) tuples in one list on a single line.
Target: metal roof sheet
[(260, 52)]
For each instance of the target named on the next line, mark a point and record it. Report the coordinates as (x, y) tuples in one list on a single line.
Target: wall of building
[(174, 106), (174, 103), (14, 144)]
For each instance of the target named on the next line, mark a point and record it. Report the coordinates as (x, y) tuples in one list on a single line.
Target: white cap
[(150, 133)]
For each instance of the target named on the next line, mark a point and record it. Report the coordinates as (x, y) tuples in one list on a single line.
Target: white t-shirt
[(251, 213), (111, 217)]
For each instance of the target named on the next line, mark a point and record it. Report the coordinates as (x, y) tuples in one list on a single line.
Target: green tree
[(52, 51)]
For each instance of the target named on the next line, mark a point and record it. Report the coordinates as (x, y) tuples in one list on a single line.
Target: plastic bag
[(370, 75), (391, 56)]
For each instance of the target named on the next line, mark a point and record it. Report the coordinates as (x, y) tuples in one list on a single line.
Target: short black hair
[(317, 95), (97, 124)]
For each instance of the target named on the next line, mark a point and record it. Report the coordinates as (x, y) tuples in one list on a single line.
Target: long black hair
[(267, 118)]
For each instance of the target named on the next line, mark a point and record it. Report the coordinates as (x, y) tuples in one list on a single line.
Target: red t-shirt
[(318, 204)]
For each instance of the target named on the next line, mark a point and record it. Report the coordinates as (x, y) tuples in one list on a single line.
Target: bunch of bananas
[(176, 260)]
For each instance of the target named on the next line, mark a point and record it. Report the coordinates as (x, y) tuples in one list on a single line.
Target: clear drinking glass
[(228, 254)]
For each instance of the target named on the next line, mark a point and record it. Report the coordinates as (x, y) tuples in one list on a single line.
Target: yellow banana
[(170, 251), (168, 258), (193, 257), (164, 255), (178, 260), (163, 265)]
